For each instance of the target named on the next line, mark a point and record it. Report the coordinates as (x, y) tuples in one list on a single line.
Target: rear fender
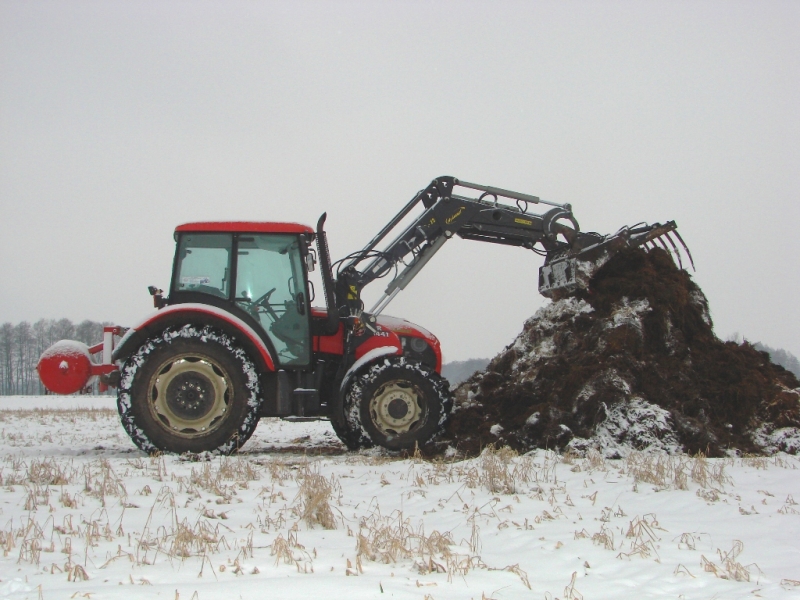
[(179, 315)]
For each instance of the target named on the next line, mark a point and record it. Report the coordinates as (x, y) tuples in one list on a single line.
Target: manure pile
[(631, 363)]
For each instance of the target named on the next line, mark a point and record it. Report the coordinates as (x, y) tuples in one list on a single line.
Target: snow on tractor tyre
[(396, 403), (352, 438), (190, 389)]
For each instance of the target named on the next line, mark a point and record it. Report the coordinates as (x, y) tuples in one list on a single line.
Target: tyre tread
[(139, 359), (356, 436)]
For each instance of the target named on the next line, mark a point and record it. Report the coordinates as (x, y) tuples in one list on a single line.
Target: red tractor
[(237, 339)]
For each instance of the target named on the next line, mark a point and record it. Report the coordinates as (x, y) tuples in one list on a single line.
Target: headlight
[(418, 344)]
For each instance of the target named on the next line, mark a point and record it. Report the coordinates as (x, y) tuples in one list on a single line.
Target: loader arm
[(446, 211)]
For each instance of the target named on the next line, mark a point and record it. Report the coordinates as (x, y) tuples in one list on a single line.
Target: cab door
[(271, 285)]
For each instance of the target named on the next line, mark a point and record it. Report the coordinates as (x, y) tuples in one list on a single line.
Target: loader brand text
[(454, 216)]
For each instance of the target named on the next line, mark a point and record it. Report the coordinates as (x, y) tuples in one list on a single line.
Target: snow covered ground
[(84, 514)]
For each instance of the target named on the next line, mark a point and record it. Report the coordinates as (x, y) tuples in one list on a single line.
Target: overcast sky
[(120, 120)]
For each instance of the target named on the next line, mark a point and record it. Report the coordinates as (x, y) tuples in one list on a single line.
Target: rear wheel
[(189, 390), (397, 404)]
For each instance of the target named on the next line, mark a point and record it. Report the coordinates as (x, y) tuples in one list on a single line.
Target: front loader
[(236, 337)]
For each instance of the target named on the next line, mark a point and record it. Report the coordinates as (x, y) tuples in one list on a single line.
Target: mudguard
[(202, 314)]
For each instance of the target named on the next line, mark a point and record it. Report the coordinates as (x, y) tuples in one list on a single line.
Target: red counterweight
[(66, 367)]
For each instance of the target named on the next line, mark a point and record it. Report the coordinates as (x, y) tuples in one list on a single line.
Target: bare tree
[(7, 358)]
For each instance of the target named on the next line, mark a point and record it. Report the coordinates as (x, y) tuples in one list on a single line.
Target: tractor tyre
[(189, 389), (349, 436), (396, 403)]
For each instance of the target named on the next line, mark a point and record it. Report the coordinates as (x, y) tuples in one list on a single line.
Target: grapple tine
[(685, 247), (677, 252), (660, 240)]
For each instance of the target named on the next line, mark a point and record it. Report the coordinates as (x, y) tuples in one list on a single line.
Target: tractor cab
[(259, 272)]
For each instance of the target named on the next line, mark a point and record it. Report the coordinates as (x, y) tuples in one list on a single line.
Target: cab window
[(204, 264)]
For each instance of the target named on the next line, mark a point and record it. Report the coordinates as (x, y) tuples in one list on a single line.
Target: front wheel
[(397, 404), (190, 389)]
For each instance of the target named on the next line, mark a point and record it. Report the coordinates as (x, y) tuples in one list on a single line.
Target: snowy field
[(84, 514)]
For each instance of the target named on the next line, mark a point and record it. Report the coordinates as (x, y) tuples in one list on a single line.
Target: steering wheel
[(263, 302)]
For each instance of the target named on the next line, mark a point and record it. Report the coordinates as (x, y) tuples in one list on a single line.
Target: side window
[(270, 285), (204, 263)]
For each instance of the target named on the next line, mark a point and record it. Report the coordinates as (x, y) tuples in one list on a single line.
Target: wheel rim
[(190, 395), (396, 407)]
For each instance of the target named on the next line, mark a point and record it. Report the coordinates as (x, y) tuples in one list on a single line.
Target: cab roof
[(244, 227)]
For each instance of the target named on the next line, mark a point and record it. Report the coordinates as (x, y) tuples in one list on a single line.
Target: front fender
[(382, 343), (367, 358)]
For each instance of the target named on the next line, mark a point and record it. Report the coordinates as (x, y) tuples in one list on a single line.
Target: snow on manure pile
[(631, 364)]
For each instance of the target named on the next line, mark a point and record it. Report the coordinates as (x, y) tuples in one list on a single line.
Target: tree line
[(23, 343), (781, 357)]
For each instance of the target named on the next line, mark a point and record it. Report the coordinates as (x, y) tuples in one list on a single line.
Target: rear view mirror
[(311, 260)]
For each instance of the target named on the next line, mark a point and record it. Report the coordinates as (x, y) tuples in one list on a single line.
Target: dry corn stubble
[(290, 551), (314, 496), (729, 567), (392, 539), (642, 532), (499, 471)]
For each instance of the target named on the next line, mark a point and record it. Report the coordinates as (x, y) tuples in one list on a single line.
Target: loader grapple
[(564, 272)]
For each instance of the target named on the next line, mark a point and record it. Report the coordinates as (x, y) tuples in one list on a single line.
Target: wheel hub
[(395, 407), (190, 395)]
